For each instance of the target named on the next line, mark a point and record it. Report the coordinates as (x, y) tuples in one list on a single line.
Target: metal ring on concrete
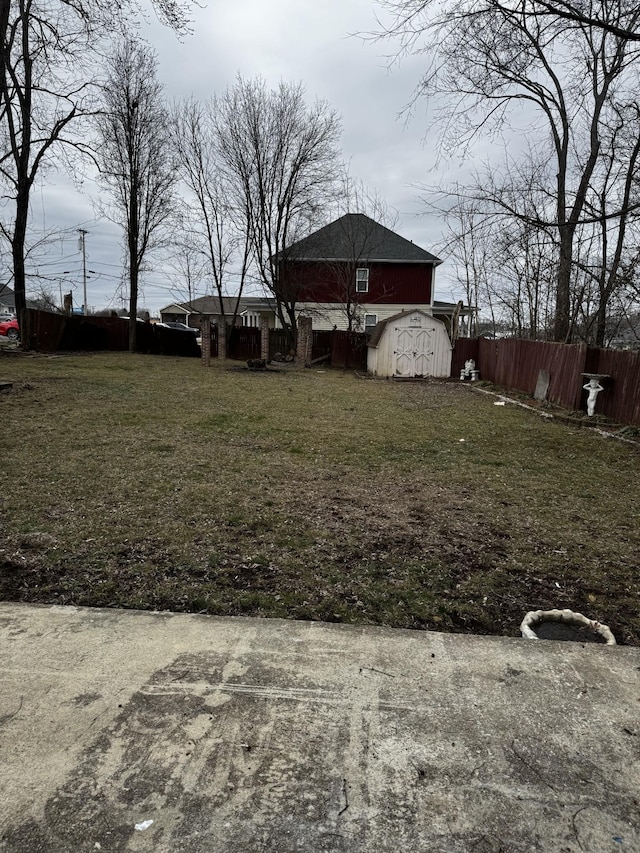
[(535, 617)]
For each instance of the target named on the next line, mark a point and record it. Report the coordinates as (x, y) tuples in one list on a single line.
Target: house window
[(370, 322), (362, 280)]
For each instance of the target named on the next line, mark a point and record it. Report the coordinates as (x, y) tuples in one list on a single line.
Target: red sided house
[(354, 273)]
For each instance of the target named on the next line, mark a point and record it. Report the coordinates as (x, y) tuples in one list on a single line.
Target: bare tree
[(409, 17), (187, 263), (468, 246), (136, 165), (43, 88), (48, 53), (220, 229), (45, 300), (280, 156), (623, 24), (617, 190), (499, 62)]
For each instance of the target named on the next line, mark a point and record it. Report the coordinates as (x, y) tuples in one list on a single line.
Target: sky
[(317, 44)]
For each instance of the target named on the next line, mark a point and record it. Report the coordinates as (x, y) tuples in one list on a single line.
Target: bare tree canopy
[(409, 18), (562, 102), (217, 227), (48, 67), (134, 152), (281, 158)]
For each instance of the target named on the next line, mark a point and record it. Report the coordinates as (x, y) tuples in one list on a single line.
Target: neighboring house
[(351, 274), (249, 309), (7, 300), (354, 273)]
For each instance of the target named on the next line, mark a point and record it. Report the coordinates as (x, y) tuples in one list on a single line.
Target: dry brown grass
[(151, 482)]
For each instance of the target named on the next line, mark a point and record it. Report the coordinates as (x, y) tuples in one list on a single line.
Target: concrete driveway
[(130, 731)]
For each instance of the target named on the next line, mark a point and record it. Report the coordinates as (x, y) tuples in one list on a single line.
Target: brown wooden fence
[(243, 342), (279, 343), (321, 345), (346, 349), (515, 364), (621, 395), (349, 350), (49, 332)]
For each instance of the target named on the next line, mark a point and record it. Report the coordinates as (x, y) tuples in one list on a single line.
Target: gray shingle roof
[(356, 237), (211, 304), (374, 340)]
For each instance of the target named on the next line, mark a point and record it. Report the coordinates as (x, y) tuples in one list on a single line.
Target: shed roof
[(378, 331), (356, 237)]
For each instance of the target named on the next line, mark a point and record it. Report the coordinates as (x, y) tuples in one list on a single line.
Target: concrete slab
[(128, 731)]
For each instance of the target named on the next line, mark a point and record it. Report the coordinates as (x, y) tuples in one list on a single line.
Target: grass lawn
[(150, 482)]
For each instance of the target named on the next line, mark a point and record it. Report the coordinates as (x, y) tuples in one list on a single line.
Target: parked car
[(182, 327), (10, 329)]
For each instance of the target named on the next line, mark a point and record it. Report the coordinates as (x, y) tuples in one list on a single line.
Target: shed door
[(413, 351)]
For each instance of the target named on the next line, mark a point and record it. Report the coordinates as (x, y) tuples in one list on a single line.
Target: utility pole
[(84, 268)]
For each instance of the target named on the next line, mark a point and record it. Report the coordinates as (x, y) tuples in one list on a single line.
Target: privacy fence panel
[(621, 395), (50, 332), (278, 342), (349, 350), (42, 331), (243, 343), (321, 345), (464, 349), (515, 364)]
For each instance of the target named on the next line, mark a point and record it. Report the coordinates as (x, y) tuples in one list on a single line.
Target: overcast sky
[(280, 40)]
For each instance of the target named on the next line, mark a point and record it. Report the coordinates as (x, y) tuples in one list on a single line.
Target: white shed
[(410, 344)]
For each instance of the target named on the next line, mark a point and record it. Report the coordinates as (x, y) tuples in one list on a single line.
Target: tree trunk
[(133, 310), (133, 261), (17, 250), (561, 327)]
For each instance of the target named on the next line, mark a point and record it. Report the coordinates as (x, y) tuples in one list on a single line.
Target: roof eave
[(433, 261)]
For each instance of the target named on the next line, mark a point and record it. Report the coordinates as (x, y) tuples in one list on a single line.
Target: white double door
[(413, 351)]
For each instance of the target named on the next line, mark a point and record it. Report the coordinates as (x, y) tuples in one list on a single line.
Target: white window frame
[(370, 325), (362, 280)]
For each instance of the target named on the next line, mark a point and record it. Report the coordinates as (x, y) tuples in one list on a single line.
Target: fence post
[(305, 341), (264, 336), (222, 338), (205, 328)]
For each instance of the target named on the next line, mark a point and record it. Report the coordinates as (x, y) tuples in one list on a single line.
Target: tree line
[(540, 100), (223, 186), (545, 237)]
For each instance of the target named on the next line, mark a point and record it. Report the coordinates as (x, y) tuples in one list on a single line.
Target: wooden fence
[(52, 332), (515, 364), (349, 350), (243, 342), (321, 344), (49, 332), (279, 343)]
